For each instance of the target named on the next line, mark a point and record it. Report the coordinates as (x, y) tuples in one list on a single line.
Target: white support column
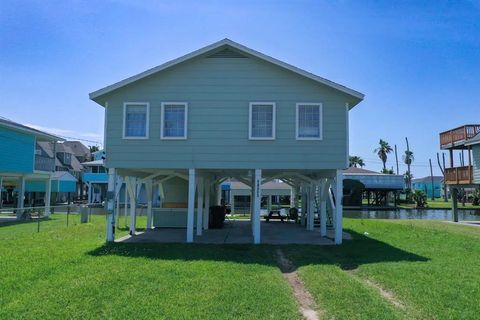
[(200, 194), (21, 197), (48, 195), (295, 200), (110, 205), (338, 207), (311, 206), (219, 194), (293, 195), (323, 208), (131, 187), (125, 205), (117, 210), (161, 193), (89, 194), (149, 191), (191, 204), (206, 212), (1, 188), (269, 203), (257, 186), (304, 202)]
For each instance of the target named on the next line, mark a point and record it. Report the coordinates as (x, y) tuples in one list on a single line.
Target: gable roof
[(361, 171), (78, 148), (222, 44), (4, 122)]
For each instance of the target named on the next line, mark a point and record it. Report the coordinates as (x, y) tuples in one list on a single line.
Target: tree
[(382, 151), (355, 161), (420, 198), (93, 149), (408, 176), (408, 159)]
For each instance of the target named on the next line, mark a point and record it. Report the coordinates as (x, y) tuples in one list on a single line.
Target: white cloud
[(86, 137)]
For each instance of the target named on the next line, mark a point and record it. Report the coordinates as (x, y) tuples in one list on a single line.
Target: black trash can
[(216, 217)]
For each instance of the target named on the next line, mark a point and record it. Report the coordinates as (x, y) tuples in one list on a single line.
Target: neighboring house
[(69, 160), (425, 184), (96, 178), (63, 185), (272, 194), (464, 140), (380, 189), (80, 151), (23, 162), (226, 112)]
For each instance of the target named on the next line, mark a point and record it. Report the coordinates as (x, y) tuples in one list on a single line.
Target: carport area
[(239, 232), (182, 213)]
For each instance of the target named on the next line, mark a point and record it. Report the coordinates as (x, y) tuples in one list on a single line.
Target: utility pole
[(396, 157)]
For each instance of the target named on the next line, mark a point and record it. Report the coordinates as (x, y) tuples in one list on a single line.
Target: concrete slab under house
[(226, 112)]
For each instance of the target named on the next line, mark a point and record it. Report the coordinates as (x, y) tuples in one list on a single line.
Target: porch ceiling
[(269, 174)]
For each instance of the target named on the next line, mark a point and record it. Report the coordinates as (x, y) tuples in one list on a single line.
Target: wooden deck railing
[(459, 134), (459, 175)]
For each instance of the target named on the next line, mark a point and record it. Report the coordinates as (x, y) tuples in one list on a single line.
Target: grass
[(439, 203), (430, 267), (69, 273)]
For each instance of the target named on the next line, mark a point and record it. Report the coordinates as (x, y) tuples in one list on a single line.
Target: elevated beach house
[(464, 141), (225, 111), (24, 167)]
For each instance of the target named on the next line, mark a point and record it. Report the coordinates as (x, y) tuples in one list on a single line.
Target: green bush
[(476, 197), (420, 198)]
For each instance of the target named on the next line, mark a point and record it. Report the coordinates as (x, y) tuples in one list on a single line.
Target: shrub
[(420, 198)]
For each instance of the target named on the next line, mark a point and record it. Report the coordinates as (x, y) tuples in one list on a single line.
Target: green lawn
[(440, 204), (431, 268)]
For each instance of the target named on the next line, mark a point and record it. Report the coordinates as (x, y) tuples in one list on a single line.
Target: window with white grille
[(174, 120), (136, 117), (262, 121), (309, 121)]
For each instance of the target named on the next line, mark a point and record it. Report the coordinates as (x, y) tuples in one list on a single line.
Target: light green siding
[(476, 163), (218, 92)]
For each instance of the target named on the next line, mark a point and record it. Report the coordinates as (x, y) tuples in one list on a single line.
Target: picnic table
[(274, 214)]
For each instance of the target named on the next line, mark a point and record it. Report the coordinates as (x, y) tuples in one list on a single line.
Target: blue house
[(425, 184), (96, 178), (22, 163)]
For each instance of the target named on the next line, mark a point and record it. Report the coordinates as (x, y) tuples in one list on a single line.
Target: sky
[(417, 62)]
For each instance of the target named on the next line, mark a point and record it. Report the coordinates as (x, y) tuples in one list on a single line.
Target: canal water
[(427, 214)]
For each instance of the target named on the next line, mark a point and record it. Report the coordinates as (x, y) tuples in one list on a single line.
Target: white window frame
[(147, 125), (320, 120), (185, 132), (274, 118)]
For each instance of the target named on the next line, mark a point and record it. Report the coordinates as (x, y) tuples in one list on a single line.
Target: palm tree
[(355, 161), (408, 158), (382, 151)]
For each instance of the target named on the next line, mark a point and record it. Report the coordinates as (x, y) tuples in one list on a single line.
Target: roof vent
[(227, 53)]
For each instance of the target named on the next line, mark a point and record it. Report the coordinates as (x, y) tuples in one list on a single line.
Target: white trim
[(105, 126), (214, 46), (347, 133), (320, 115), (147, 128), (185, 125), (22, 128), (274, 120)]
